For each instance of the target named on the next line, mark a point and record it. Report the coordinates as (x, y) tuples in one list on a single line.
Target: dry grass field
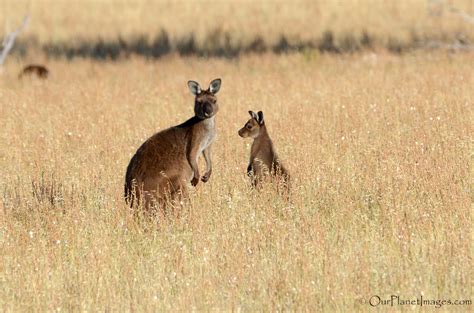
[(379, 147)]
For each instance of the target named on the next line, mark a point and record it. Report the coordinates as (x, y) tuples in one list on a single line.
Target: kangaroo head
[(205, 103), (252, 127)]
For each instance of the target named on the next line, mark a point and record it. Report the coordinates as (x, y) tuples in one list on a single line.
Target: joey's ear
[(260, 117), (215, 85), (253, 115), (194, 87)]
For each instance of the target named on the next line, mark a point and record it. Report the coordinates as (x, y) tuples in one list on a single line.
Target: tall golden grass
[(379, 148)]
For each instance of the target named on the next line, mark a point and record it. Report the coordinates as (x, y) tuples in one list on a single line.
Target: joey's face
[(253, 126), (251, 129)]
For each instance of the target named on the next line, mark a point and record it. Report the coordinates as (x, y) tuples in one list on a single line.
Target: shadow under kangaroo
[(264, 162), (162, 167)]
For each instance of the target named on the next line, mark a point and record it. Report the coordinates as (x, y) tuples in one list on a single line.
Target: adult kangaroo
[(264, 161), (164, 164), (34, 69)]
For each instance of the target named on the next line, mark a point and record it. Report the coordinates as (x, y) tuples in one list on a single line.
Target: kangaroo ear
[(260, 117), (253, 115), (215, 85), (194, 87)]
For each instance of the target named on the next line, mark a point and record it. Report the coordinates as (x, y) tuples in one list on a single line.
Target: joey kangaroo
[(264, 161), (34, 69), (167, 161)]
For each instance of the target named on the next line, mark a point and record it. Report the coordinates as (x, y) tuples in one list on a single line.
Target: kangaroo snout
[(207, 110)]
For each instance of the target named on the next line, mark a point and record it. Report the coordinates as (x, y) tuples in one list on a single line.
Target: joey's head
[(205, 103), (253, 126)]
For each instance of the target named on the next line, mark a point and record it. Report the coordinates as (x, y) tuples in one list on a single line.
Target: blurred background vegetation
[(106, 29)]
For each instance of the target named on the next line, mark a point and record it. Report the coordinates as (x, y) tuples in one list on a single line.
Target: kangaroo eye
[(248, 126)]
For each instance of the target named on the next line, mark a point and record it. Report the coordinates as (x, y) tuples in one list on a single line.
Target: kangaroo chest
[(206, 141), (262, 152), (207, 134)]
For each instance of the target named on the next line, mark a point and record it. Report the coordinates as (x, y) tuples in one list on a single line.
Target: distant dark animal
[(34, 69), (165, 163), (264, 162)]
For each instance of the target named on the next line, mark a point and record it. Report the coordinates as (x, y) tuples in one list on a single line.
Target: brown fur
[(33, 69), (264, 161), (163, 166)]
